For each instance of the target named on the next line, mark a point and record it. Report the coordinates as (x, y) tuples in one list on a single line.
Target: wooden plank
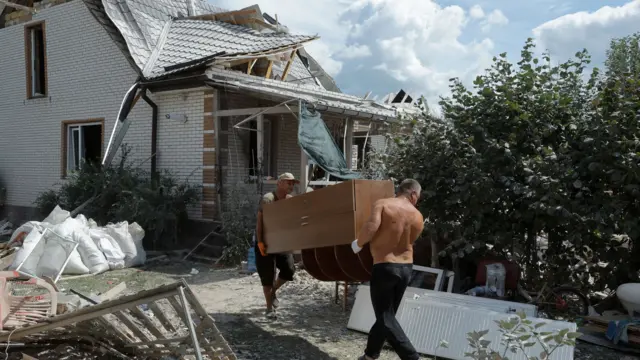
[(93, 312), (149, 324), (250, 65), (113, 292), (288, 66), (162, 317), (178, 309), (159, 341), (132, 326), (269, 69)]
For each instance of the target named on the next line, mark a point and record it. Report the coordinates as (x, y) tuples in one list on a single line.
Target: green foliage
[(238, 222), (126, 193), (623, 57), (534, 149), (519, 335)]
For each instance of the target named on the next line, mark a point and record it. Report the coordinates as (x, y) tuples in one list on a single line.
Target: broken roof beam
[(18, 6), (288, 66)]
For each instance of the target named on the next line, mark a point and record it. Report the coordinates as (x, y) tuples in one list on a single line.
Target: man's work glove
[(354, 246), (263, 248)]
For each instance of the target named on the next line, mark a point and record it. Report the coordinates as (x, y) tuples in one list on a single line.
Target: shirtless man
[(266, 264), (394, 225)]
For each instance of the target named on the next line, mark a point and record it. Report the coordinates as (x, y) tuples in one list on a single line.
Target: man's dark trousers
[(388, 283)]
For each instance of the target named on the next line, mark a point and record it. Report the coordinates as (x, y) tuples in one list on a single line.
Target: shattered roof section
[(348, 105), (190, 40), (157, 34)]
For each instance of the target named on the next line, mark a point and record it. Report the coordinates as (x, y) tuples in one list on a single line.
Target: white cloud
[(495, 18), (417, 42), (355, 51), (566, 35), (476, 12)]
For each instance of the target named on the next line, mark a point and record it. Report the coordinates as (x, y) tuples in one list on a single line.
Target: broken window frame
[(36, 60), (269, 153), (68, 157)]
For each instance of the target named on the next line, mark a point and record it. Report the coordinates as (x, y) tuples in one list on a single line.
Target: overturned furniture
[(322, 224), (165, 321)]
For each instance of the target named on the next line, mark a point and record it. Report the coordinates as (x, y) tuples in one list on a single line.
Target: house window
[(36, 60), (82, 144), (269, 168)]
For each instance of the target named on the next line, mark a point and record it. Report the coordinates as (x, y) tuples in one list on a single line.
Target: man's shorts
[(266, 266)]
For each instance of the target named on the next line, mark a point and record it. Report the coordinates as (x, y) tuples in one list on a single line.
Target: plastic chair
[(25, 302)]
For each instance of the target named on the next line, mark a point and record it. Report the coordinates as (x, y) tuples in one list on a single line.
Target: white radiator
[(362, 316), (429, 317), (427, 324)]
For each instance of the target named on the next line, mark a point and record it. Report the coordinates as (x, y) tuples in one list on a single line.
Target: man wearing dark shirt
[(266, 264)]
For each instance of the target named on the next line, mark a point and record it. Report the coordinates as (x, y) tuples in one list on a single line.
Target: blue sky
[(384, 45)]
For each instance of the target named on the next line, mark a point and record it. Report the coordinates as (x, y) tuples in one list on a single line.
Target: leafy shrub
[(125, 192), (238, 222), (533, 150), (519, 335)]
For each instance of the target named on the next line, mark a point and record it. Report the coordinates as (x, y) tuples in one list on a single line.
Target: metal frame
[(64, 264)]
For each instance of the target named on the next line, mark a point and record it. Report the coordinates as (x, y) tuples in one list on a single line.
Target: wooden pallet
[(168, 320)]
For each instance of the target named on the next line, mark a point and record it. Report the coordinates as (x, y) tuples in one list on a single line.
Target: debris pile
[(167, 321), (616, 323), (5, 228)]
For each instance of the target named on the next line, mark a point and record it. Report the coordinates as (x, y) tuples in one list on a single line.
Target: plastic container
[(496, 275)]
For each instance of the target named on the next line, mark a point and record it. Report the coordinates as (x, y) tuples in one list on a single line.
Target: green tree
[(532, 149)]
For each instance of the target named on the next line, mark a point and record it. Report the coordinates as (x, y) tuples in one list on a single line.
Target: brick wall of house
[(87, 78), (180, 145)]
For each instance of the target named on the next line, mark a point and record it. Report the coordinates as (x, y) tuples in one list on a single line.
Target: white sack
[(25, 228), (57, 216), (75, 230), (120, 233), (109, 247), (56, 251), (137, 234), (31, 250)]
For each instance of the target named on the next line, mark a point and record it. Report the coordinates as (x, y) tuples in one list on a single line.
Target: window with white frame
[(269, 167), (83, 145)]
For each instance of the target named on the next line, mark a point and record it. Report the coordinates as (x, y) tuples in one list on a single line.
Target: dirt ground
[(310, 325)]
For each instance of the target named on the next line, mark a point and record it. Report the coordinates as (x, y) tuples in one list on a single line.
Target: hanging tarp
[(316, 141)]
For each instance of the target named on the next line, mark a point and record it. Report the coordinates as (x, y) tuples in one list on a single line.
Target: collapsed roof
[(164, 37)]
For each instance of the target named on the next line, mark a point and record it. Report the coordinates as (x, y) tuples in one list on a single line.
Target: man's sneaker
[(270, 314)]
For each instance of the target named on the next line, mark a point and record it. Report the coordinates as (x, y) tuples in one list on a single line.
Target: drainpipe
[(154, 136)]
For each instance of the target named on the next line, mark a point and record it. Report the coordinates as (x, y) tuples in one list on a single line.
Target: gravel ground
[(310, 325)]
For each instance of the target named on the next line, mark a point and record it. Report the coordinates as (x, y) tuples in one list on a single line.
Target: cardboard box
[(325, 217)]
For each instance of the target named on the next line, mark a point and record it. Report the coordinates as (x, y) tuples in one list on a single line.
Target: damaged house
[(201, 72)]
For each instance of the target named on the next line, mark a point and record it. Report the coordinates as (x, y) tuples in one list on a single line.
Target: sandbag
[(57, 249), (137, 234), (30, 252), (109, 247), (57, 216), (120, 233), (90, 257), (21, 232)]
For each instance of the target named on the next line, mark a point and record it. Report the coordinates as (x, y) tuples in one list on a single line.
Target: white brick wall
[(88, 76), (180, 144)]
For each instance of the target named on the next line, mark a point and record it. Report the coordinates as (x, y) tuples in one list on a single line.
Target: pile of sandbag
[(45, 246)]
